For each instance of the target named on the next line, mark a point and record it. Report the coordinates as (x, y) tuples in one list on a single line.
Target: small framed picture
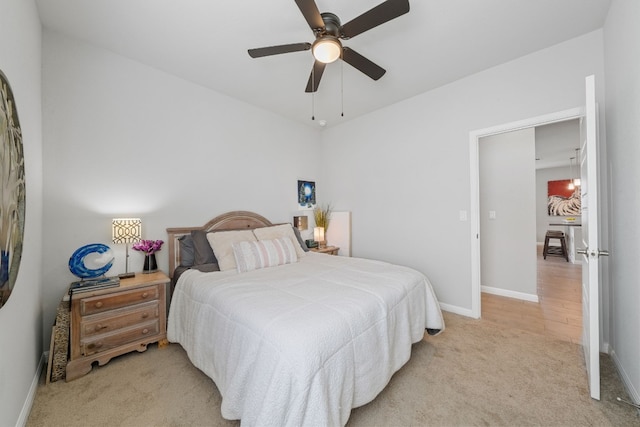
[(306, 195)]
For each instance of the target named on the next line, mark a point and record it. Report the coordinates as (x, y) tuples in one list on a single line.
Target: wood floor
[(559, 312)]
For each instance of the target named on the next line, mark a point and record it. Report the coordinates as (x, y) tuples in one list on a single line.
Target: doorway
[(520, 288), (474, 141)]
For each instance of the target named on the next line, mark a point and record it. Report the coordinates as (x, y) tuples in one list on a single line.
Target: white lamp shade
[(318, 234)]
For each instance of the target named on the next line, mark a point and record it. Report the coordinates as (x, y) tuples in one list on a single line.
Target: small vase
[(150, 265)]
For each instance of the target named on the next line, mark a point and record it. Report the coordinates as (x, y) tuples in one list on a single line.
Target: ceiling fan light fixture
[(327, 49)]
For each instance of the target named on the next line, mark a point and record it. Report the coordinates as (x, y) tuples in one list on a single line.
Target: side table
[(109, 322), (331, 250)]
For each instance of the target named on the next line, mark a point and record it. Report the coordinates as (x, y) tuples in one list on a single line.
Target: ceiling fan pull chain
[(341, 88), (313, 93)]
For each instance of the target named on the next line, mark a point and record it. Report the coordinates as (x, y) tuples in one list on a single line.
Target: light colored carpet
[(474, 374)]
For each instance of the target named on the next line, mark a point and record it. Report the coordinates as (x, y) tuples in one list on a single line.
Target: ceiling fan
[(328, 31)]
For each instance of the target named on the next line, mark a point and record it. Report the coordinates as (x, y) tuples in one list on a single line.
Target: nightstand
[(331, 250), (109, 322)]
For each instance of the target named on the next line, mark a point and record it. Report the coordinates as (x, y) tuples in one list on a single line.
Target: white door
[(590, 246)]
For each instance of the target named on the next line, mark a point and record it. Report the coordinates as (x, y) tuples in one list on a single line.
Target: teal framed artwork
[(306, 195)]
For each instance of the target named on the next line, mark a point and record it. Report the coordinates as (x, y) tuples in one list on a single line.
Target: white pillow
[(264, 253), (277, 232), (221, 242)]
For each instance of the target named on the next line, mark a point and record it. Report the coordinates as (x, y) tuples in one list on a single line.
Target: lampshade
[(301, 222), (326, 49), (318, 234), (126, 230)]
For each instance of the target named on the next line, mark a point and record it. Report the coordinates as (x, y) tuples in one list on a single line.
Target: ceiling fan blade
[(380, 14), (361, 63), (276, 50), (311, 13), (316, 75)]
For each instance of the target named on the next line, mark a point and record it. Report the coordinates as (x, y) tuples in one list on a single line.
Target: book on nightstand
[(94, 284)]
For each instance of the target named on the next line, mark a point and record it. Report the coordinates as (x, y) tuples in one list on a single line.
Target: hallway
[(559, 313)]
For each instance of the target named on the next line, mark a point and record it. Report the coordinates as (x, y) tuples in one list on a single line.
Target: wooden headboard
[(235, 220)]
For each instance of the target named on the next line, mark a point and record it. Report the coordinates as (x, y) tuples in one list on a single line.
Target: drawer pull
[(145, 315), (145, 331), (146, 294), (95, 345), (100, 327), (99, 304)]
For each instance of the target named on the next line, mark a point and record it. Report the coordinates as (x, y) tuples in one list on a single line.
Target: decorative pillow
[(279, 231), (207, 268), (221, 242), (264, 253), (303, 245), (202, 249), (187, 251)]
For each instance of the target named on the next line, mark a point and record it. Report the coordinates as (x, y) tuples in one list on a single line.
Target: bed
[(292, 337)]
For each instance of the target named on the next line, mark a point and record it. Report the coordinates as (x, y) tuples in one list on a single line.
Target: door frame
[(474, 161)]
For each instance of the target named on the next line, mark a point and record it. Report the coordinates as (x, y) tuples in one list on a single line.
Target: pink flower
[(148, 246)]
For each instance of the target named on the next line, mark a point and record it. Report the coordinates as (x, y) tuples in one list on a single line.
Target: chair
[(555, 250)]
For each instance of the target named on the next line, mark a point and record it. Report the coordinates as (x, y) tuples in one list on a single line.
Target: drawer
[(100, 303), (119, 319), (99, 343)]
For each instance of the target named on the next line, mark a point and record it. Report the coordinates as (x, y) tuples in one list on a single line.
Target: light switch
[(463, 215), (492, 214)]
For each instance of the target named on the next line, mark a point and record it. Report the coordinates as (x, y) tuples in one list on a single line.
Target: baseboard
[(31, 396), (509, 294), (457, 310), (633, 393)]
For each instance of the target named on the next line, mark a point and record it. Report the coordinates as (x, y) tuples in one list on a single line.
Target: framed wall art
[(12, 191), (563, 198), (306, 195)]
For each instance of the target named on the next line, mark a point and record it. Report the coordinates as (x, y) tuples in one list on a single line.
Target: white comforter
[(302, 344)]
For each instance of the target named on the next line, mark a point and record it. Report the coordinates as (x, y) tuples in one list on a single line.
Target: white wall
[(622, 59), (507, 189), (21, 319), (124, 139), (403, 171)]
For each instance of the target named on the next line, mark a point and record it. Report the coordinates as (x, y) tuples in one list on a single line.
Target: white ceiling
[(206, 42), (556, 144)]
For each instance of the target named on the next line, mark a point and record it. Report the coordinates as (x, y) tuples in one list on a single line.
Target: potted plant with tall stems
[(322, 216)]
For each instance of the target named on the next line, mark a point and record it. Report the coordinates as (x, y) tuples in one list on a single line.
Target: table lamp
[(126, 230), (318, 236)]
